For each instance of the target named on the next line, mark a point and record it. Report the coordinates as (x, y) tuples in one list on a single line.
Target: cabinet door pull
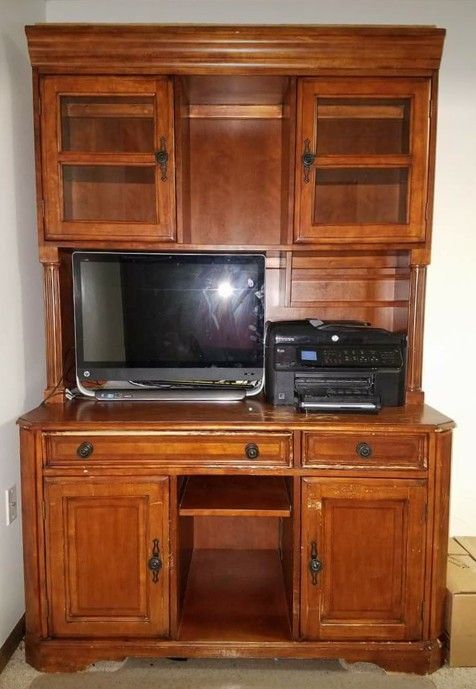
[(155, 563), (85, 450), (252, 451), (162, 157), (364, 450), (308, 158), (315, 565)]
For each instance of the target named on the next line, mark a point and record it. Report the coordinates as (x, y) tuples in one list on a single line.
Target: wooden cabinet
[(362, 558), (362, 160), (326, 557), (108, 158), (314, 145), (102, 534)]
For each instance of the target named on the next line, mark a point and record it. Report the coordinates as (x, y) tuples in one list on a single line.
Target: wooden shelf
[(235, 595), (85, 109), (341, 111), (235, 496), (236, 111)]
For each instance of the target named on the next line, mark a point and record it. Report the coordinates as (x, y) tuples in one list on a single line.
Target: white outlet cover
[(11, 504)]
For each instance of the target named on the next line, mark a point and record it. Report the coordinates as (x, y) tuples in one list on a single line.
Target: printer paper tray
[(339, 404)]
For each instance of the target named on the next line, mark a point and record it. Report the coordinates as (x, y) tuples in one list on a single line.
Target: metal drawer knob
[(85, 450), (252, 451), (364, 450)]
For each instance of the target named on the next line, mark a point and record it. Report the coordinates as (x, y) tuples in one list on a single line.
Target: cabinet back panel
[(239, 533), (235, 181), (207, 89), (390, 318), (362, 126), (107, 124), (361, 196), (374, 287), (109, 193)]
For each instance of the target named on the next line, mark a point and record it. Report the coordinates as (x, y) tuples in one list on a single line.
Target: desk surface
[(252, 413)]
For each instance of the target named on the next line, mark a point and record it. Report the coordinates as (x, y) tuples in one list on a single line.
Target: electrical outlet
[(11, 504)]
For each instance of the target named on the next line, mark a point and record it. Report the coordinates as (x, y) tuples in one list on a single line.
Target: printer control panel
[(338, 356)]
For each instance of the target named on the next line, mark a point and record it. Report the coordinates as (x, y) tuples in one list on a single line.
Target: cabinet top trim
[(182, 49)]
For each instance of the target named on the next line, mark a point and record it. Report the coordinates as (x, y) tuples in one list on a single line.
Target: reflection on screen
[(182, 312)]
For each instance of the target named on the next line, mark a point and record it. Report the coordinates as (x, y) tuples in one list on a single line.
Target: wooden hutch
[(148, 528)]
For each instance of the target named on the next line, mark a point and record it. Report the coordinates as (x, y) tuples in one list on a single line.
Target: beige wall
[(21, 304), (450, 338)]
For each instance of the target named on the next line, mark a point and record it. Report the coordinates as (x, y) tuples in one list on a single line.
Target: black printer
[(334, 366)]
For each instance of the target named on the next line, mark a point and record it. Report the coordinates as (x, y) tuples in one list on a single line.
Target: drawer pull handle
[(307, 158), (162, 158), (364, 450), (155, 563), (85, 450), (315, 565), (252, 451)]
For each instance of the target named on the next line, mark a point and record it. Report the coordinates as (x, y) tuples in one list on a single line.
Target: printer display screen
[(308, 355)]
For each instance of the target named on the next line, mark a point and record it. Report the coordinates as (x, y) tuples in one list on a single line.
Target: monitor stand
[(170, 395)]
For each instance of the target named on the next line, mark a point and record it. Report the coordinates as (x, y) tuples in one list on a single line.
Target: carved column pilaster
[(54, 344), (416, 318)]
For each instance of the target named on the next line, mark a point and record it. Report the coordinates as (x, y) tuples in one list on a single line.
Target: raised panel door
[(108, 161), (362, 160), (101, 534), (362, 558)]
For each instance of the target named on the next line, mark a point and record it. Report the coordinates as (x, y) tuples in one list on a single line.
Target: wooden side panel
[(369, 537), (33, 538), (100, 538), (439, 543)]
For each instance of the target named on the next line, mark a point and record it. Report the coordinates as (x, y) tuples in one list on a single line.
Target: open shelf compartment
[(236, 558), (246, 496)]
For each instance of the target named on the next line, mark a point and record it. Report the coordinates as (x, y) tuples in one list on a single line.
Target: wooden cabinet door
[(108, 161), (368, 537), (101, 534), (362, 160)]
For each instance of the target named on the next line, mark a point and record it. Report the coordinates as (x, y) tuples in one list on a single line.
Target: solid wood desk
[(327, 540)]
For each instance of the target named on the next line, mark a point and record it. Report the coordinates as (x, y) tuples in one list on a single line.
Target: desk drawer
[(252, 449), (361, 450)]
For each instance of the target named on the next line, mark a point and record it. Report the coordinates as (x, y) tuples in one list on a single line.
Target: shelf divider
[(235, 496)]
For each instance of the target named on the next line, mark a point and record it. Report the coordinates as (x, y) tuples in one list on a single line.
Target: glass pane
[(359, 126), (360, 196), (109, 193), (107, 124)]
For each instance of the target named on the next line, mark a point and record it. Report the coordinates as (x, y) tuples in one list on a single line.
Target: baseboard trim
[(12, 641)]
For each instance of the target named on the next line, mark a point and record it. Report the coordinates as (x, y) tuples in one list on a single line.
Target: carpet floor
[(230, 674), (206, 674)]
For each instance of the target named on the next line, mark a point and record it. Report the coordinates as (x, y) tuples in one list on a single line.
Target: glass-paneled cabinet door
[(362, 160), (108, 165)]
